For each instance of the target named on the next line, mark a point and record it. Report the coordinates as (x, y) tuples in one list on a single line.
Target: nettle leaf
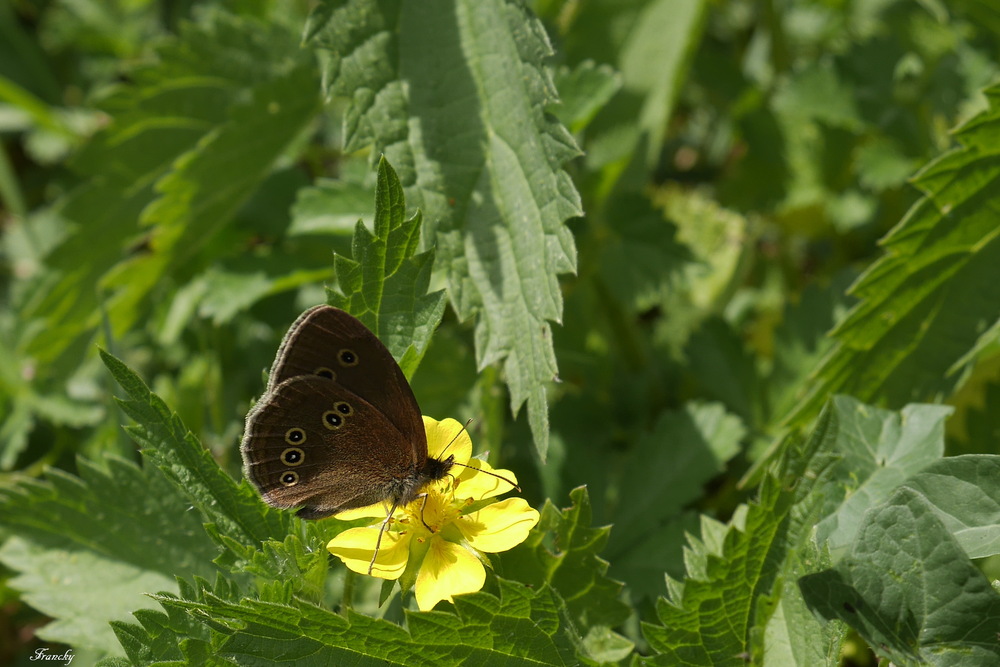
[(877, 451), (234, 510), (455, 95), (707, 619), (855, 458), (925, 303), (561, 552), (282, 552), (385, 284), (87, 549), (910, 591), (175, 635), (964, 492), (739, 597), (521, 626), (189, 143)]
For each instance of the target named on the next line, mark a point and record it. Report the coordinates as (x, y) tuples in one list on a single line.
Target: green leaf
[(385, 284), (739, 596), (910, 591), (487, 173), (877, 450), (521, 627), (330, 207), (234, 509), (641, 245), (924, 303), (561, 552), (654, 63), (88, 549), (964, 491), (651, 43), (707, 618), (175, 635)]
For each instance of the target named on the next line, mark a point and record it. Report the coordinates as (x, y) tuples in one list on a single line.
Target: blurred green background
[(740, 161)]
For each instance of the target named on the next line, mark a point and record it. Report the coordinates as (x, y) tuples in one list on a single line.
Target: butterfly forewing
[(328, 342)]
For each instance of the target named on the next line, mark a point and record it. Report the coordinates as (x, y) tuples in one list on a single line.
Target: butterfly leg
[(422, 507), (381, 531)]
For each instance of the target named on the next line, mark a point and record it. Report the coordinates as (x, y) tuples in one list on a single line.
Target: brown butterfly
[(338, 427)]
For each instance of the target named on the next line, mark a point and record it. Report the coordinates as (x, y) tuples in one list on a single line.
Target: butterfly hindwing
[(313, 443)]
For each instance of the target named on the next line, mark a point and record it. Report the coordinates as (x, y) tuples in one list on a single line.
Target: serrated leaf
[(175, 635), (562, 552), (738, 597), (90, 548), (487, 173), (233, 508), (708, 620), (924, 304), (521, 627), (385, 284), (910, 591)]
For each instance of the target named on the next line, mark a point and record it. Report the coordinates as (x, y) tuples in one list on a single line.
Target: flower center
[(433, 511)]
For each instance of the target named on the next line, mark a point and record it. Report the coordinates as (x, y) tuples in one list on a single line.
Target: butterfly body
[(338, 427)]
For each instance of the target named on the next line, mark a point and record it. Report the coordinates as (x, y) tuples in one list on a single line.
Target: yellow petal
[(474, 483), (500, 526), (355, 547), (378, 510), (447, 438), (448, 569)]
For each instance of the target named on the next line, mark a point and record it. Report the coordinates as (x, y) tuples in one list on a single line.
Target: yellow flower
[(462, 523)]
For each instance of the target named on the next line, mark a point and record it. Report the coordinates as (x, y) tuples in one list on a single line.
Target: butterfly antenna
[(492, 474), (465, 428), (487, 472)]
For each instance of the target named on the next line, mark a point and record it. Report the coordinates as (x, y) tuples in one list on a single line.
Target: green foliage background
[(718, 280)]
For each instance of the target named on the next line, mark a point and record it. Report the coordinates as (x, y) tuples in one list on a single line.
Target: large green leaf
[(455, 95), (910, 590), (739, 595), (925, 304), (964, 491), (708, 617), (521, 627)]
